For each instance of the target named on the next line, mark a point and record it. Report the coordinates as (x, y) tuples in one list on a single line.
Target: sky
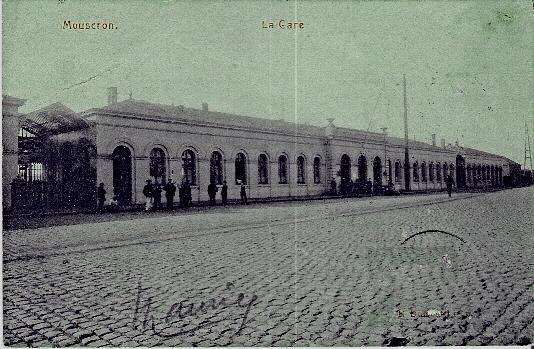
[(469, 64)]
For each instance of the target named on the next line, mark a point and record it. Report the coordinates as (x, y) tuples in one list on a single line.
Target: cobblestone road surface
[(319, 273)]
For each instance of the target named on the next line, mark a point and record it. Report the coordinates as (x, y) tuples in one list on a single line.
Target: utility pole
[(386, 167), (527, 149), (406, 140)]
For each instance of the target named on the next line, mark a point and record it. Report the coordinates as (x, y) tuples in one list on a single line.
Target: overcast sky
[(469, 65)]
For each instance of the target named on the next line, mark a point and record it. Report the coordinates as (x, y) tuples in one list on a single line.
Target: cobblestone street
[(333, 272)]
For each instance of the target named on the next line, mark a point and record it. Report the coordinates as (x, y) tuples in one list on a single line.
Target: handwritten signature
[(144, 318)]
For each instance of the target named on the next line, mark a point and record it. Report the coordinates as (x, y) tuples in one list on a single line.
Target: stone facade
[(137, 140)]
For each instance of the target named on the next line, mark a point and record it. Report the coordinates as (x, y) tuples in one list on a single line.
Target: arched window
[(282, 169), (189, 167), (431, 172), (423, 171), (362, 168), (397, 171), (344, 168), (240, 169), (301, 170), (438, 172), (377, 171), (317, 170), (263, 169), (216, 169), (157, 165), (415, 172)]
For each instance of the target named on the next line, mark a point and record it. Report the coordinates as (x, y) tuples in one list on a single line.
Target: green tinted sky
[(469, 65)]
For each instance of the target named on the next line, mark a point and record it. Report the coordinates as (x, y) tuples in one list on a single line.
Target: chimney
[(433, 139), (443, 142), (112, 95), (205, 106)]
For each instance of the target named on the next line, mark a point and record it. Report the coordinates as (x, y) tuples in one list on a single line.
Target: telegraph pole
[(528, 154), (406, 151)]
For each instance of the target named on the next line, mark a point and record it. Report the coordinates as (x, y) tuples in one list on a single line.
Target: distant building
[(124, 143)]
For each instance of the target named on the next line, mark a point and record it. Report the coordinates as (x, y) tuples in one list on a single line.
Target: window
[(240, 169), (263, 169), (431, 172), (189, 167), (301, 170), (216, 170), (157, 165), (32, 172), (317, 170), (438, 172), (423, 172), (282, 169), (397, 171), (415, 172)]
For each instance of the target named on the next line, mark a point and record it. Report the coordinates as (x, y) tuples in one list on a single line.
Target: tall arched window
[(397, 171), (423, 171), (317, 170), (344, 168), (157, 165), (240, 169), (189, 166), (377, 171), (415, 172), (282, 169), (438, 172), (263, 169), (431, 172), (216, 168), (362, 168), (301, 170)]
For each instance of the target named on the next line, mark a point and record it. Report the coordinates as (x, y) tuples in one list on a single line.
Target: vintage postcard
[(267, 173)]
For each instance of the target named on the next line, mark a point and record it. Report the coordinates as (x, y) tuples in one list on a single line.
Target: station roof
[(53, 119)]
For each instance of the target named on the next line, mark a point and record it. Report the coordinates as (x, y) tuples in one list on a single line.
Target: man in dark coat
[(186, 193), (101, 195), (157, 196), (449, 182), (212, 191), (333, 186), (243, 193), (224, 193), (170, 191)]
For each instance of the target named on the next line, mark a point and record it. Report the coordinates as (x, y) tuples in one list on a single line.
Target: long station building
[(122, 144)]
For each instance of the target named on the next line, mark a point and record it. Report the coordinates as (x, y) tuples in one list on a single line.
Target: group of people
[(153, 192), (357, 187), (213, 189)]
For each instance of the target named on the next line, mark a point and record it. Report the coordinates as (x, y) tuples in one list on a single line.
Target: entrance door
[(122, 175)]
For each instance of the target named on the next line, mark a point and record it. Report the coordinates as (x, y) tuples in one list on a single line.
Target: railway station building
[(62, 155)]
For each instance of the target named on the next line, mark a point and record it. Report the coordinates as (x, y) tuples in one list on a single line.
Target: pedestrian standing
[(243, 193), (212, 191), (148, 193), (224, 193), (157, 196), (170, 191), (449, 182), (333, 186), (101, 194)]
